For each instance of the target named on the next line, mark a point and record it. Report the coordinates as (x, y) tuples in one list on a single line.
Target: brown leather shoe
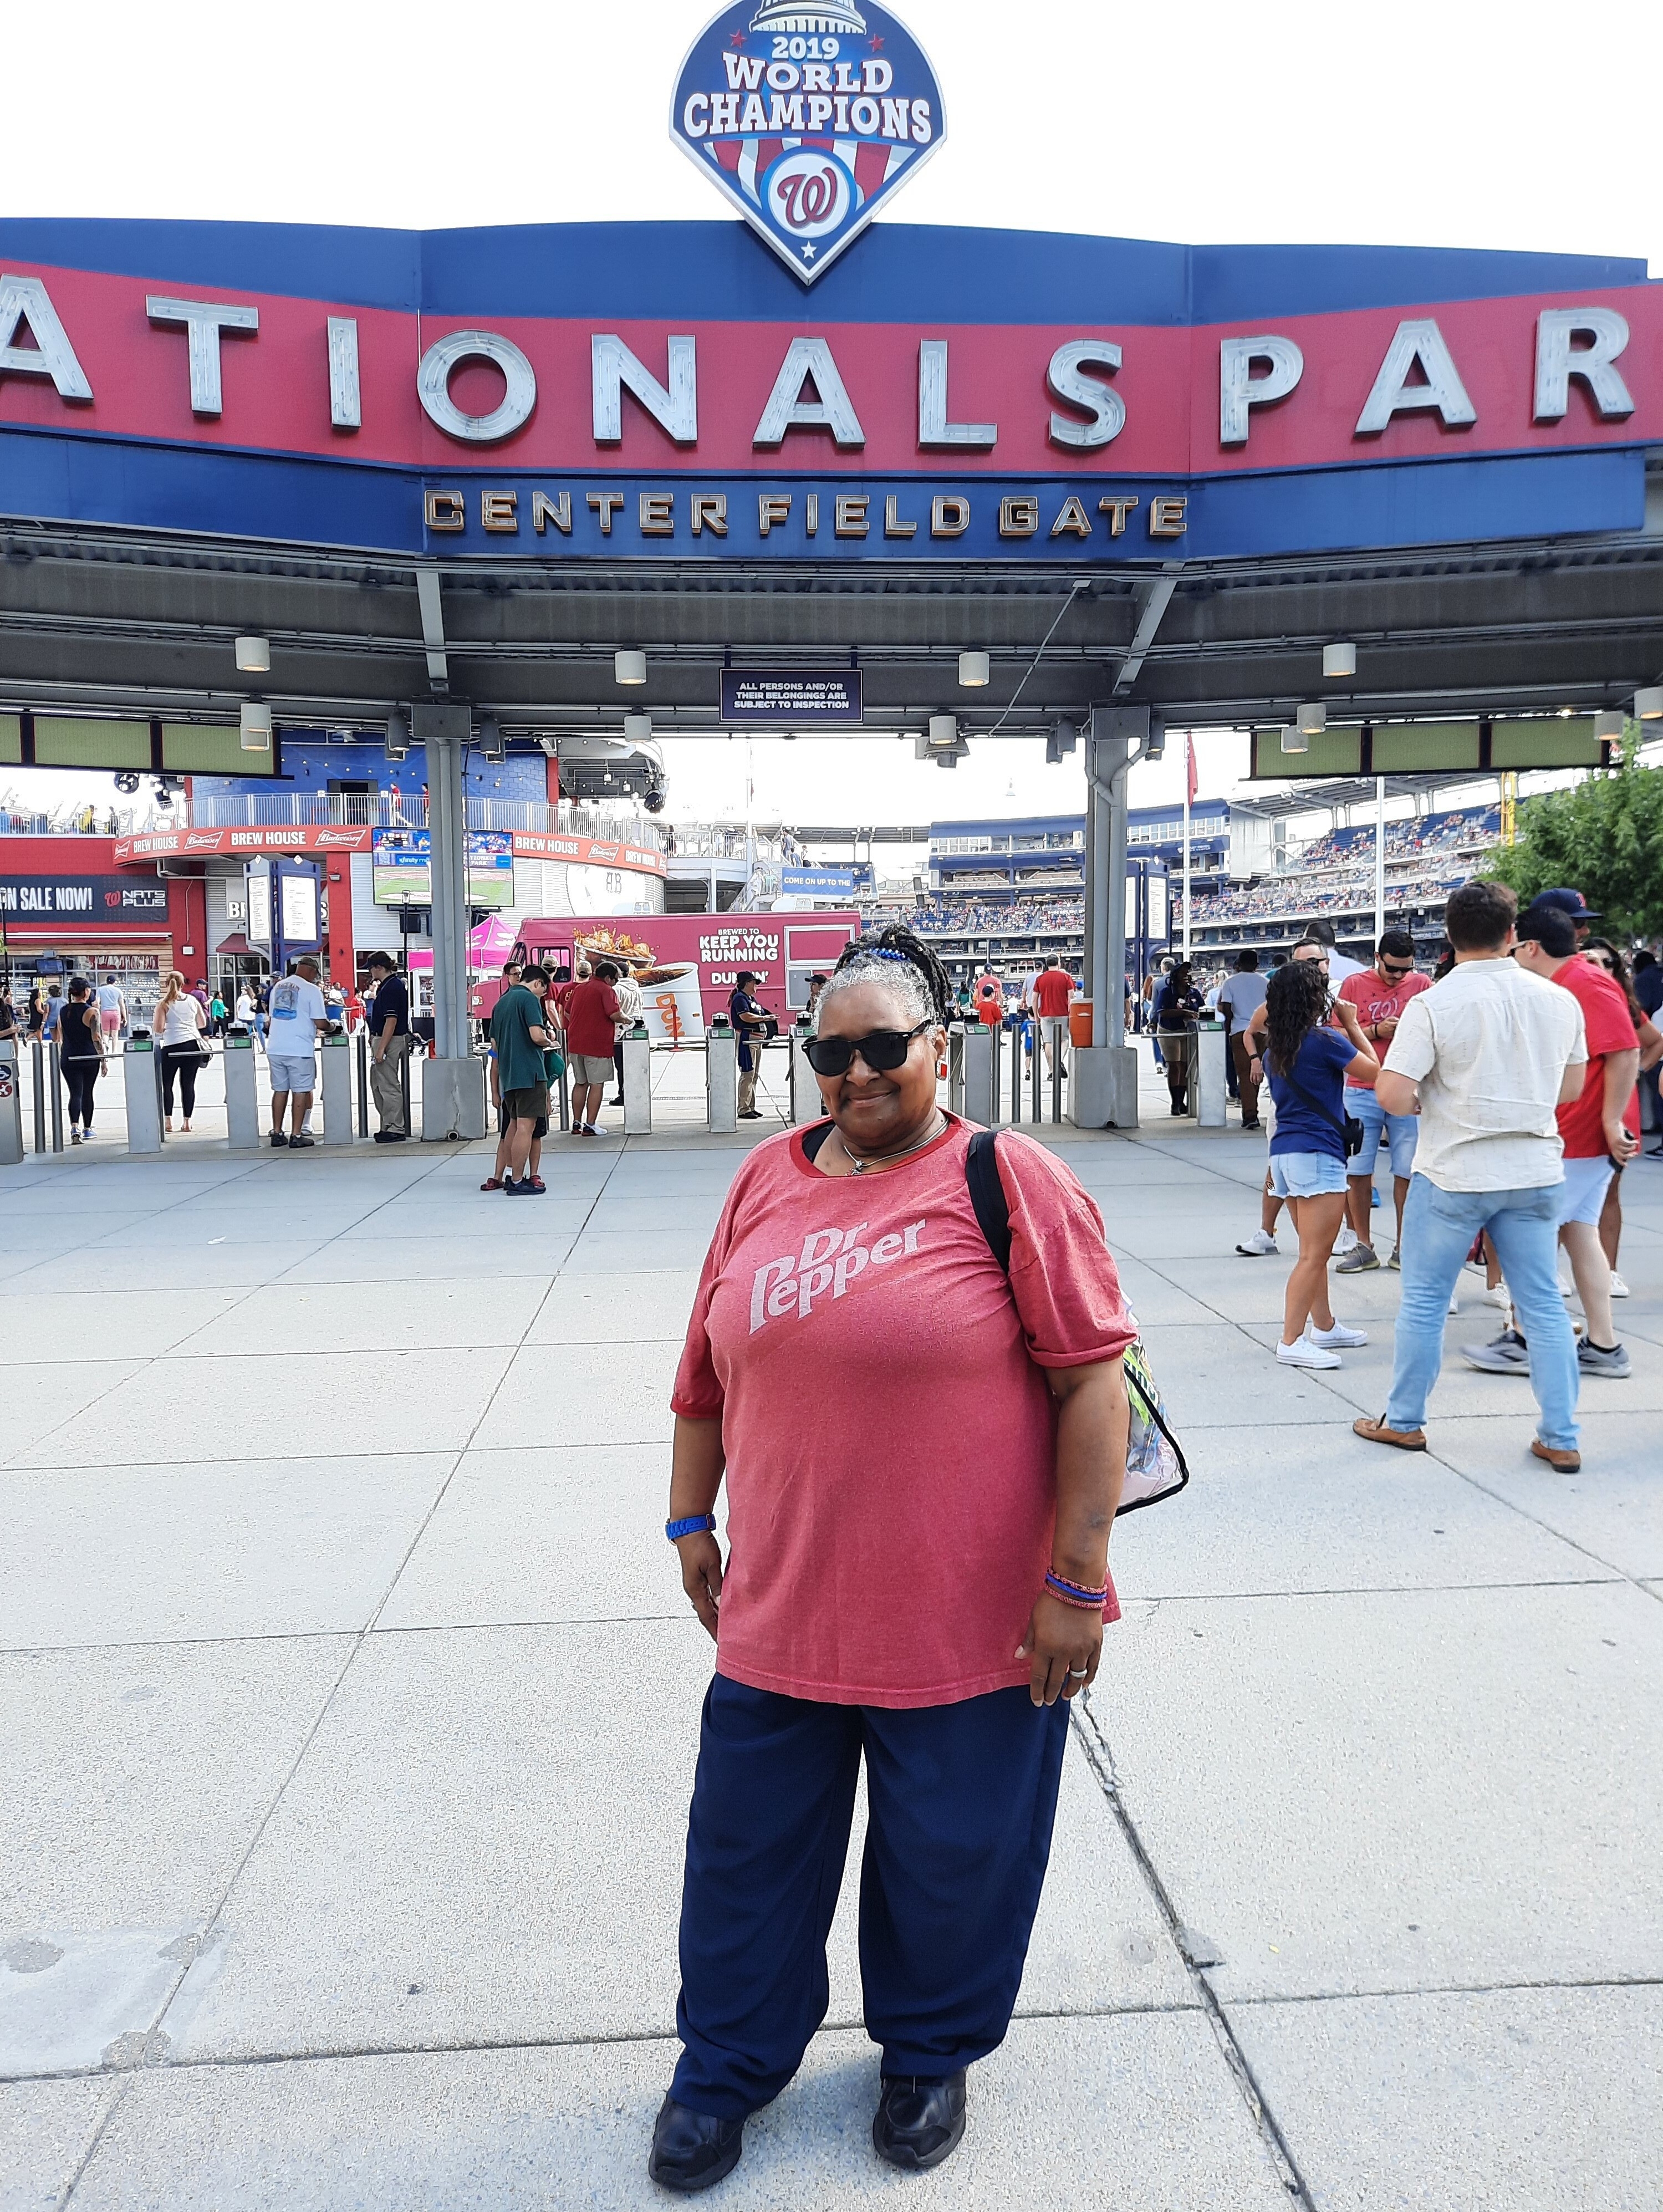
[(1377, 1433), (1562, 1463)]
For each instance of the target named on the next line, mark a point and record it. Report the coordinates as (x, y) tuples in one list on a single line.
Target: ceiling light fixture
[(630, 668)]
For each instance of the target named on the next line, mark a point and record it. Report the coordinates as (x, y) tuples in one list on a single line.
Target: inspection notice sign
[(789, 696)]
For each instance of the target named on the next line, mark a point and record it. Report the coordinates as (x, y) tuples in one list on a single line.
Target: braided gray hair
[(895, 960)]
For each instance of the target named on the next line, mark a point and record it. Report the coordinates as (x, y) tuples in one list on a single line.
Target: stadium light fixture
[(1339, 660), (973, 670), (630, 668)]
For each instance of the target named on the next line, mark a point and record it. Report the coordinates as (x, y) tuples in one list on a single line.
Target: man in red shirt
[(591, 1014), (1380, 994), (1594, 1127), (1052, 991)]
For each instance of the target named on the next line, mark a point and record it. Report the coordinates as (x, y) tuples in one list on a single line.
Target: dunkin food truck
[(687, 964)]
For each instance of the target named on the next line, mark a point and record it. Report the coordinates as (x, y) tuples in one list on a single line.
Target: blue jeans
[(1438, 1229)]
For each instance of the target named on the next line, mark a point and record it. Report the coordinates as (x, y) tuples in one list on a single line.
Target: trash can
[(1079, 1021)]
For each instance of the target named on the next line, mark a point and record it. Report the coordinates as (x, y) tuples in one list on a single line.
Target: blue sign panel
[(792, 697), (826, 883), (808, 115)]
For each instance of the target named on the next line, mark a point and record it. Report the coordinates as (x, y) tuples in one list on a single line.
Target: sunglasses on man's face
[(1398, 970), (883, 1050)]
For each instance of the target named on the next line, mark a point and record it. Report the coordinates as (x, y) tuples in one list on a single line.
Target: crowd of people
[(1505, 1090), (1456, 829), (1293, 896), (983, 917)]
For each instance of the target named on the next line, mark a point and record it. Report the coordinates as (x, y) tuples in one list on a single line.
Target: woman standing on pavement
[(1177, 1003), (922, 1456), (80, 1056), (1307, 1065), (181, 1020)]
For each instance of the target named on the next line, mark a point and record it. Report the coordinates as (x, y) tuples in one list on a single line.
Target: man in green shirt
[(520, 1038)]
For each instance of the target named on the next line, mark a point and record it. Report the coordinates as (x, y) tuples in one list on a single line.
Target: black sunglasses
[(883, 1051)]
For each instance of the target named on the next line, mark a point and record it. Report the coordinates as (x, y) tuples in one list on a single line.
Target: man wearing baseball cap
[(299, 1018), (1570, 902)]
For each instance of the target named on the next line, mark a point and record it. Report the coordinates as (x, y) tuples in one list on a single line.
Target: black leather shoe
[(918, 2123), (691, 2151)]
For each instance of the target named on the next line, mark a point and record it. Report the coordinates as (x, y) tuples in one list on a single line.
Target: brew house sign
[(651, 390)]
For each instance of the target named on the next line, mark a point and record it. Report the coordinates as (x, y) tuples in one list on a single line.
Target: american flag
[(871, 163)]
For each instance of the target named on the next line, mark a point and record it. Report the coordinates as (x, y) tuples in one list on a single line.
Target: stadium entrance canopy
[(458, 472)]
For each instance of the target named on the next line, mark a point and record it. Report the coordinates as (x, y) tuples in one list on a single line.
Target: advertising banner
[(104, 901), (826, 883), (687, 965)]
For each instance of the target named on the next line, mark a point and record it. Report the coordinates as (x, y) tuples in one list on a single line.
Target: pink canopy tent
[(489, 944)]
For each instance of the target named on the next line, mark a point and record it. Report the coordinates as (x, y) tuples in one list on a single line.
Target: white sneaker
[(1346, 1241), (1256, 1246), (1501, 1295), (1454, 1303), (1336, 1338), (1304, 1353), (1619, 1288)]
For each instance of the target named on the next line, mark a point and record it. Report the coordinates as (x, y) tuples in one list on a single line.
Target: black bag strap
[(1334, 1121), (981, 1174)]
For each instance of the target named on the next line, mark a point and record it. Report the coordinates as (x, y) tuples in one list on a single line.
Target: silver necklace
[(857, 1166)]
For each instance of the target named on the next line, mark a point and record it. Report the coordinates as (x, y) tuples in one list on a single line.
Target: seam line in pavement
[(1084, 1722), (599, 2040)]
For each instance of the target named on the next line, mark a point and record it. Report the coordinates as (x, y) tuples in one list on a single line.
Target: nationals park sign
[(670, 392)]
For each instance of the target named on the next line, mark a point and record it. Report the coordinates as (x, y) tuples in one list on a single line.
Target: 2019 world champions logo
[(808, 114)]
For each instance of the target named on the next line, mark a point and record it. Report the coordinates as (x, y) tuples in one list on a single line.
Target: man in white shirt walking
[(112, 1011), (1484, 1057), (299, 1018)]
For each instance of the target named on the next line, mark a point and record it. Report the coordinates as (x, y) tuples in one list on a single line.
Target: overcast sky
[(1476, 122)]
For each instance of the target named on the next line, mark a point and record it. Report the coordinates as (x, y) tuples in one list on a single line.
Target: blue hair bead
[(888, 953)]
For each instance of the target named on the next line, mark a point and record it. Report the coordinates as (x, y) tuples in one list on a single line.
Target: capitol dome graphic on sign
[(807, 115), (834, 18)]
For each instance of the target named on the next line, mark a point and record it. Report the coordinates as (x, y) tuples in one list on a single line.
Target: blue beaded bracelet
[(1076, 1593), (695, 1524)]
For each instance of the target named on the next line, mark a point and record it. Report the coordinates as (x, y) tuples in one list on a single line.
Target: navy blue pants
[(961, 1800)]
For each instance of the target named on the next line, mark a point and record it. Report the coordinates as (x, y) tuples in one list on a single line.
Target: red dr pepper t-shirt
[(889, 1436)]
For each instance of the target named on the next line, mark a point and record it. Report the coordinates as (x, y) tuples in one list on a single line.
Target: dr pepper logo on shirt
[(808, 114), (830, 1260)]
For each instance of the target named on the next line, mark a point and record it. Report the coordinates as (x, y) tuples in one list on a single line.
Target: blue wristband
[(695, 1524)]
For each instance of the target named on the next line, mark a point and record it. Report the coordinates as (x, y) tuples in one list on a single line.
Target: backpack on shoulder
[(1155, 1466)]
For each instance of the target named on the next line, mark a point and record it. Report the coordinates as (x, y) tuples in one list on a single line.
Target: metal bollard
[(806, 1104), (1016, 1075), (37, 1070), (562, 1088), (978, 1090), (54, 1094), (404, 1083), (11, 1105), (1058, 1035), (722, 1079), (337, 1055), (362, 1057), (1209, 1045), (956, 1067), (242, 1105), (140, 1077), (1035, 1071), (637, 1083)]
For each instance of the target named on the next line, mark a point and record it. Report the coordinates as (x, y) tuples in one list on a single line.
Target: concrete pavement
[(350, 1703)]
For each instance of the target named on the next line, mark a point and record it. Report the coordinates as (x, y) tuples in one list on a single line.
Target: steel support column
[(1105, 1088)]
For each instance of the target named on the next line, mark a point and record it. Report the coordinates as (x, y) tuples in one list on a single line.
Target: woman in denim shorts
[(1307, 1064)]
